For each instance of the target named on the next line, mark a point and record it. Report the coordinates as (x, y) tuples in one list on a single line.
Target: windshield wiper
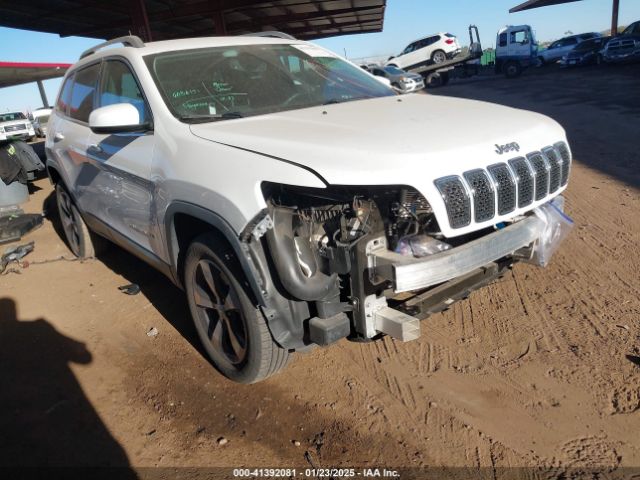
[(332, 102), (210, 118)]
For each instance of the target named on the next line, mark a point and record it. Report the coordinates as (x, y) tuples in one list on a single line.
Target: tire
[(438, 57), (541, 61), (433, 80), (77, 235), (512, 69), (231, 328)]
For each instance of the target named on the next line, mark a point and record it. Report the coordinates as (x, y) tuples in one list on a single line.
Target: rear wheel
[(231, 328), (79, 239), (439, 56)]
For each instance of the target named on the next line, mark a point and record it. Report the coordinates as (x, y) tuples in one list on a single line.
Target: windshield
[(9, 117), (239, 81)]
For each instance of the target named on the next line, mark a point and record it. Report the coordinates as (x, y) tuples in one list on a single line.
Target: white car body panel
[(383, 142)]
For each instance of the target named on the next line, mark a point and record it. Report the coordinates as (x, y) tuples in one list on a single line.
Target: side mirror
[(116, 118)]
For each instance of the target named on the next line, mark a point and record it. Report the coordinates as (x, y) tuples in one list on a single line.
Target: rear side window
[(65, 95), (82, 94), (118, 85)]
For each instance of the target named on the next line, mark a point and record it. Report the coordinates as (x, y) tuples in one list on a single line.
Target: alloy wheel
[(220, 312)]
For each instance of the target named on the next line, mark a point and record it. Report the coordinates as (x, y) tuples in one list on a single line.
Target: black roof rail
[(273, 34), (127, 41)]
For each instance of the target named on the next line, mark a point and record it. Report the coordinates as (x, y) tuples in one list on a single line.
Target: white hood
[(388, 140), (410, 140)]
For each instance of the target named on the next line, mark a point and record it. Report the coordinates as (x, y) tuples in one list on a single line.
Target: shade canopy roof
[(168, 19), (14, 73), (539, 3)]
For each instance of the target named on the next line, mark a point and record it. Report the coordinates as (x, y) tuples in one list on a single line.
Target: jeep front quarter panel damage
[(360, 262)]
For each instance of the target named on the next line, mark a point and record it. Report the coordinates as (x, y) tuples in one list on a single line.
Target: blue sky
[(405, 20)]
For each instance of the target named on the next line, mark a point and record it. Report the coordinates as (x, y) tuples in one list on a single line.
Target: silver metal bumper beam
[(409, 273)]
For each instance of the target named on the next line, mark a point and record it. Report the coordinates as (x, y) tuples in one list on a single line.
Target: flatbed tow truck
[(516, 50)]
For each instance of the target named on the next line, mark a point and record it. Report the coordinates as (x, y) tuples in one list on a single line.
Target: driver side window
[(520, 37)]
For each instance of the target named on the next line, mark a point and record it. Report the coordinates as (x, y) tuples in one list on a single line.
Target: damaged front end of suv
[(360, 262)]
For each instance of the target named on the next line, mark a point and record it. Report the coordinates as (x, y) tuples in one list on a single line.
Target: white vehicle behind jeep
[(435, 48), (15, 126), (295, 198)]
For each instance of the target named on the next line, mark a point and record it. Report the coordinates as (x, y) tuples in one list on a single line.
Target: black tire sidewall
[(85, 249), (204, 247)]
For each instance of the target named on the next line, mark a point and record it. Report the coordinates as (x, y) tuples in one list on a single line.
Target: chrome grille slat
[(484, 203), (456, 200), (15, 128), (524, 180), (563, 149), (541, 167), (505, 186), (555, 164)]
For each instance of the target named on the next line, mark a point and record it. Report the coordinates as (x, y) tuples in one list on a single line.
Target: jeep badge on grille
[(509, 147)]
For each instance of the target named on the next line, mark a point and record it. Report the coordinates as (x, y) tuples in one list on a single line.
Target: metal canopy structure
[(539, 3), (17, 73), (169, 19), (546, 3)]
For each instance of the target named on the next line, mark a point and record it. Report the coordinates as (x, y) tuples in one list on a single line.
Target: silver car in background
[(403, 82)]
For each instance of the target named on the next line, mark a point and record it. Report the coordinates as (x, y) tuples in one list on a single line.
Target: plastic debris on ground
[(15, 254), (131, 289)]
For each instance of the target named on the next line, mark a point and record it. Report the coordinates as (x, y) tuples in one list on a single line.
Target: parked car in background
[(403, 82), (39, 120), (436, 48), (585, 53), (560, 48), (15, 126), (625, 47)]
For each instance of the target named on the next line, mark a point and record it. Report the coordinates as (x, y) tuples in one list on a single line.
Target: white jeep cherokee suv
[(295, 198)]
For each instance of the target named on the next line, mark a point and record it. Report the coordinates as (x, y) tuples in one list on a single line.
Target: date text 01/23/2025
[(315, 473)]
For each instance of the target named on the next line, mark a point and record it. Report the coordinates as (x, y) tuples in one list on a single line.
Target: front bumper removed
[(459, 270)]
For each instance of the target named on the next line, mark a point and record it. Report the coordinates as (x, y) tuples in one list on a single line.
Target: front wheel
[(512, 69), (231, 328)]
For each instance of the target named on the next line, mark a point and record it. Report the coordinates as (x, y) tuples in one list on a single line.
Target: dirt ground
[(539, 369)]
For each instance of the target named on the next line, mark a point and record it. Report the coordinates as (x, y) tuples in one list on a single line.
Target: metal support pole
[(140, 20), (614, 18), (43, 94), (218, 22)]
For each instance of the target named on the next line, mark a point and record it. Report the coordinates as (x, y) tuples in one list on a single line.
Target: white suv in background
[(295, 198), (436, 48), (15, 126)]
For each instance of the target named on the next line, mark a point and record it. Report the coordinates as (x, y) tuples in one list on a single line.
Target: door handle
[(58, 137)]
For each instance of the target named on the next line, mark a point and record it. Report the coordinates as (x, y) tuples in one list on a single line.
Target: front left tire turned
[(232, 329)]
